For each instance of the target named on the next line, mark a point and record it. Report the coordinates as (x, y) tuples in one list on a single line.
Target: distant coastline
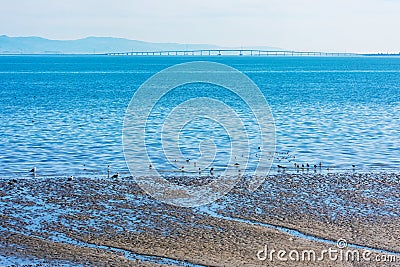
[(34, 45), (96, 45)]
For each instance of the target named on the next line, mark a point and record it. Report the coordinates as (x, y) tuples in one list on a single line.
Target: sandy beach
[(102, 222)]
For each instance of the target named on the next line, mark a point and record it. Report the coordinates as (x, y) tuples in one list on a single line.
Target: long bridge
[(227, 52)]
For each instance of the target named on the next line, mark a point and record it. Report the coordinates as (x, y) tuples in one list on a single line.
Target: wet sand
[(101, 222)]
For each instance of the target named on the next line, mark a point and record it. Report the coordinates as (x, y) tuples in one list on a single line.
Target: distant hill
[(90, 45)]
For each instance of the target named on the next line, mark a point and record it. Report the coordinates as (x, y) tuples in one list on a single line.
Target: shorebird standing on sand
[(115, 176), (33, 171), (71, 178)]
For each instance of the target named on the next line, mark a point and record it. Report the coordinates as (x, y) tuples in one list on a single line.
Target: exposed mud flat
[(102, 222)]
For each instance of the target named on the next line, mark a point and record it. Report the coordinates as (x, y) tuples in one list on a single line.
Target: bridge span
[(227, 52)]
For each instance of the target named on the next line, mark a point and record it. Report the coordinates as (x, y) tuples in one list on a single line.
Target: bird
[(281, 167), (150, 166), (187, 161), (315, 166), (13, 181), (33, 170), (237, 164), (115, 176), (308, 165), (71, 178)]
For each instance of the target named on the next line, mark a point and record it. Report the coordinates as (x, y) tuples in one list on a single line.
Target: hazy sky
[(335, 25)]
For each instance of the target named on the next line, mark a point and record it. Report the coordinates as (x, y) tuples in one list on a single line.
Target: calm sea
[(64, 114)]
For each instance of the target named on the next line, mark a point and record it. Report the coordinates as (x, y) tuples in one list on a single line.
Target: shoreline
[(204, 174), (101, 220)]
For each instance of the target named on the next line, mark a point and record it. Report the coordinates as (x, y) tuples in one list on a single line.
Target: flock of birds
[(307, 167), (71, 178), (280, 156), (290, 160)]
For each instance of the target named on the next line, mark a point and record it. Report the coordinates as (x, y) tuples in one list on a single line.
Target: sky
[(302, 25)]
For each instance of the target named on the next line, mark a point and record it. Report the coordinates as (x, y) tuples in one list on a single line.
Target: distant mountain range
[(92, 45)]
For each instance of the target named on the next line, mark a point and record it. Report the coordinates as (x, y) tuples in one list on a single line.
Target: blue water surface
[(64, 114)]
